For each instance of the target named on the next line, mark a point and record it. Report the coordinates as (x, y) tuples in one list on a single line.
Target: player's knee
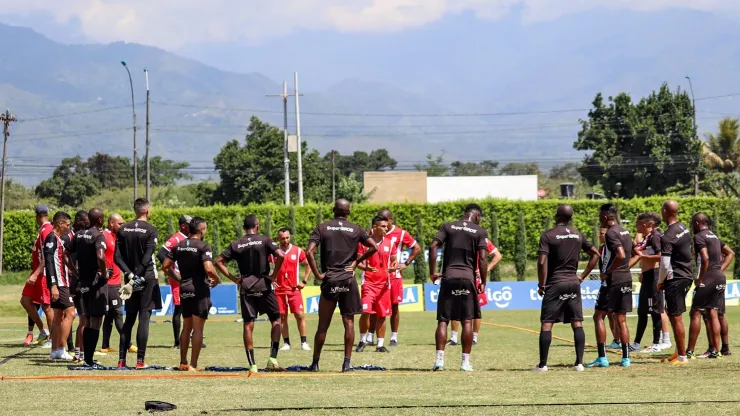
[(298, 316)]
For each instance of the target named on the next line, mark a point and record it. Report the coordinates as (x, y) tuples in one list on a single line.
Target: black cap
[(42, 210), (185, 219)]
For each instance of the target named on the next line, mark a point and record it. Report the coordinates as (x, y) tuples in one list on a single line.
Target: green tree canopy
[(528, 168), (70, 183), (484, 168)]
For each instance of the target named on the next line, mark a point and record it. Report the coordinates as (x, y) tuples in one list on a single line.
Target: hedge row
[(225, 221)]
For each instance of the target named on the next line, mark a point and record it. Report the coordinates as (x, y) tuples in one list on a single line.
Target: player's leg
[(268, 304), (476, 330), (68, 316), (55, 333), (694, 329), (371, 330), (614, 329), (714, 330), (282, 301), (91, 336), (369, 294), (396, 299), (348, 320), (176, 325), (675, 292), (198, 323), (326, 312), (600, 312), (249, 344), (125, 339), (350, 304), (107, 330), (454, 331), (643, 310), (545, 341), (300, 319), (624, 336), (185, 334), (445, 310), (32, 311), (364, 324), (382, 308), (142, 337), (724, 332)]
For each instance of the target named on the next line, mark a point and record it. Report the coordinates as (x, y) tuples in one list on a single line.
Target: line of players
[(667, 261)]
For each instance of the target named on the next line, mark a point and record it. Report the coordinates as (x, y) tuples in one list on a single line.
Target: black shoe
[(203, 345), (726, 352), (314, 368), (394, 343), (451, 343), (382, 349), (360, 347), (347, 369), (715, 355)]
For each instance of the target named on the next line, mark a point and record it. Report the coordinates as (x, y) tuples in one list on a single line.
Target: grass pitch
[(501, 383)]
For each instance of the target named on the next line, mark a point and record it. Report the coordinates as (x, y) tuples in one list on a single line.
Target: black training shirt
[(562, 246), (190, 256), (136, 243), (251, 254), (338, 239), (617, 236), (707, 239), (676, 244), (462, 241)]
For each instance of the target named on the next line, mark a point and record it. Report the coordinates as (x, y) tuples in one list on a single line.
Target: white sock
[(370, 337), (682, 358), (475, 337), (440, 355), (366, 338), (453, 337), (45, 331), (666, 339), (394, 336), (465, 359), (380, 342)]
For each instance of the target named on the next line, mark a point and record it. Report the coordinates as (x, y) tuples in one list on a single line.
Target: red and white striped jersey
[(399, 238), (289, 275), (56, 272)]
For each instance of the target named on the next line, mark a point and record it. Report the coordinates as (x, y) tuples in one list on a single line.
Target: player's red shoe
[(140, 365), (29, 340), (122, 364)]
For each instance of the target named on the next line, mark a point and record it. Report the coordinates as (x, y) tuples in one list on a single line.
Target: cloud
[(176, 23)]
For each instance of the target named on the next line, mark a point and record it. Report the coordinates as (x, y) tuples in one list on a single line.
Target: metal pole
[(148, 177), (285, 143), (693, 104), (7, 119), (298, 139), (133, 111)]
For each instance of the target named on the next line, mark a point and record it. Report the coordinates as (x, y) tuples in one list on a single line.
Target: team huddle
[(92, 270)]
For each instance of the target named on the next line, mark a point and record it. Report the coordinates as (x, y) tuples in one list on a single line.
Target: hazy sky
[(171, 24)]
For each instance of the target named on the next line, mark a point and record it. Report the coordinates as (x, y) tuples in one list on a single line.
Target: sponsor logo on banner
[(224, 299), (406, 253), (412, 301)]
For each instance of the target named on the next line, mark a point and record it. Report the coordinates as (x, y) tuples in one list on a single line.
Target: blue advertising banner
[(223, 297)]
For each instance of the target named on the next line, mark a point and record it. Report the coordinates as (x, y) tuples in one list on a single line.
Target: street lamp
[(133, 111), (693, 105)]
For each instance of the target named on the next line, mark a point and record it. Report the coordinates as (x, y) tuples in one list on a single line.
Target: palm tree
[(721, 151)]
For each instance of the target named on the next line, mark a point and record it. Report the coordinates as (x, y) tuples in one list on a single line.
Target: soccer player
[(58, 284), (616, 284), (376, 295), (135, 245), (81, 222), (197, 276), (288, 288), (115, 304), (174, 240), (465, 246), (399, 239), (482, 297), (255, 285), (338, 240), (36, 291), (651, 301), (676, 275), (89, 248), (559, 285), (713, 257)]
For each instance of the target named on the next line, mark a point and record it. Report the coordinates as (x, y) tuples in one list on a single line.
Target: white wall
[(478, 187)]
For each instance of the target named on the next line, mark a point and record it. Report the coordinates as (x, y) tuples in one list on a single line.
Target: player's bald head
[(341, 208), (114, 218), (386, 213), (670, 207), (702, 218), (96, 217), (564, 213)]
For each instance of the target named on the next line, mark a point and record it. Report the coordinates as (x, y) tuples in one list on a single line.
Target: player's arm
[(206, 256), (310, 256), (483, 268), (38, 270), (146, 260), (221, 267), (279, 257), (371, 247), (437, 242), (728, 255), (162, 254), (100, 256), (495, 259), (655, 241), (52, 280), (613, 244), (704, 256), (415, 251), (593, 260), (118, 259), (541, 272), (168, 265), (666, 270)]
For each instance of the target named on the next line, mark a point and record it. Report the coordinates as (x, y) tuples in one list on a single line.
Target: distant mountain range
[(505, 91)]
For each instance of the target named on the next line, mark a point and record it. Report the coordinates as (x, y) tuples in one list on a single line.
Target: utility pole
[(693, 105), (298, 139), (133, 111), (148, 178), (6, 118), (286, 159), (333, 181)]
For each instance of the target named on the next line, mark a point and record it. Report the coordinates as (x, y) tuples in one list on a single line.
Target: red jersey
[(289, 276), (37, 256), (110, 251), (399, 238), (380, 261), (490, 248), (169, 245)]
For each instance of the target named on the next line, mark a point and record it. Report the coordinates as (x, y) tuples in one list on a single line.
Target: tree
[(291, 224), (484, 168), (162, 172), (520, 246), (70, 183), (434, 166), (349, 188), (495, 275), (648, 147), (420, 263), (361, 162), (567, 172), (721, 156), (516, 169), (267, 225), (112, 172)]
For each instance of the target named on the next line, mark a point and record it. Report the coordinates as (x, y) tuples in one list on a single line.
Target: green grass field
[(502, 361)]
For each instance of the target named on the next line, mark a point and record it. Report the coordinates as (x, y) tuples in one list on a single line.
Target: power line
[(98, 110)]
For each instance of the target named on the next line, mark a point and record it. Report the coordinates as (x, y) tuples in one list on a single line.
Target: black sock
[(642, 320), (125, 340), (346, 362), (602, 349), (625, 350), (657, 328), (580, 339), (142, 334), (31, 323), (303, 340), (315, 361), (177, 323), (70, 342), (545, 340), (90, 341), (250, 357), (725, 347), (274, 349), (286, 340)]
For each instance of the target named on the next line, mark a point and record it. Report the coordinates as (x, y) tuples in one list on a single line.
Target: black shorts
[(620, 297), (458, 301), (95, 301), (709, 297), (194, 306), (651, 300), (255, 304), (115, 304), (65, 300), (345, 293), (562, 303), (602, 300), (675, 295), (147, 299)]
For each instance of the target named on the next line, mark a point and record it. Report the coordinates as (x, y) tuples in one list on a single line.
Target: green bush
[(520, 244), (420, 265), (21, 230), (495, 275)]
